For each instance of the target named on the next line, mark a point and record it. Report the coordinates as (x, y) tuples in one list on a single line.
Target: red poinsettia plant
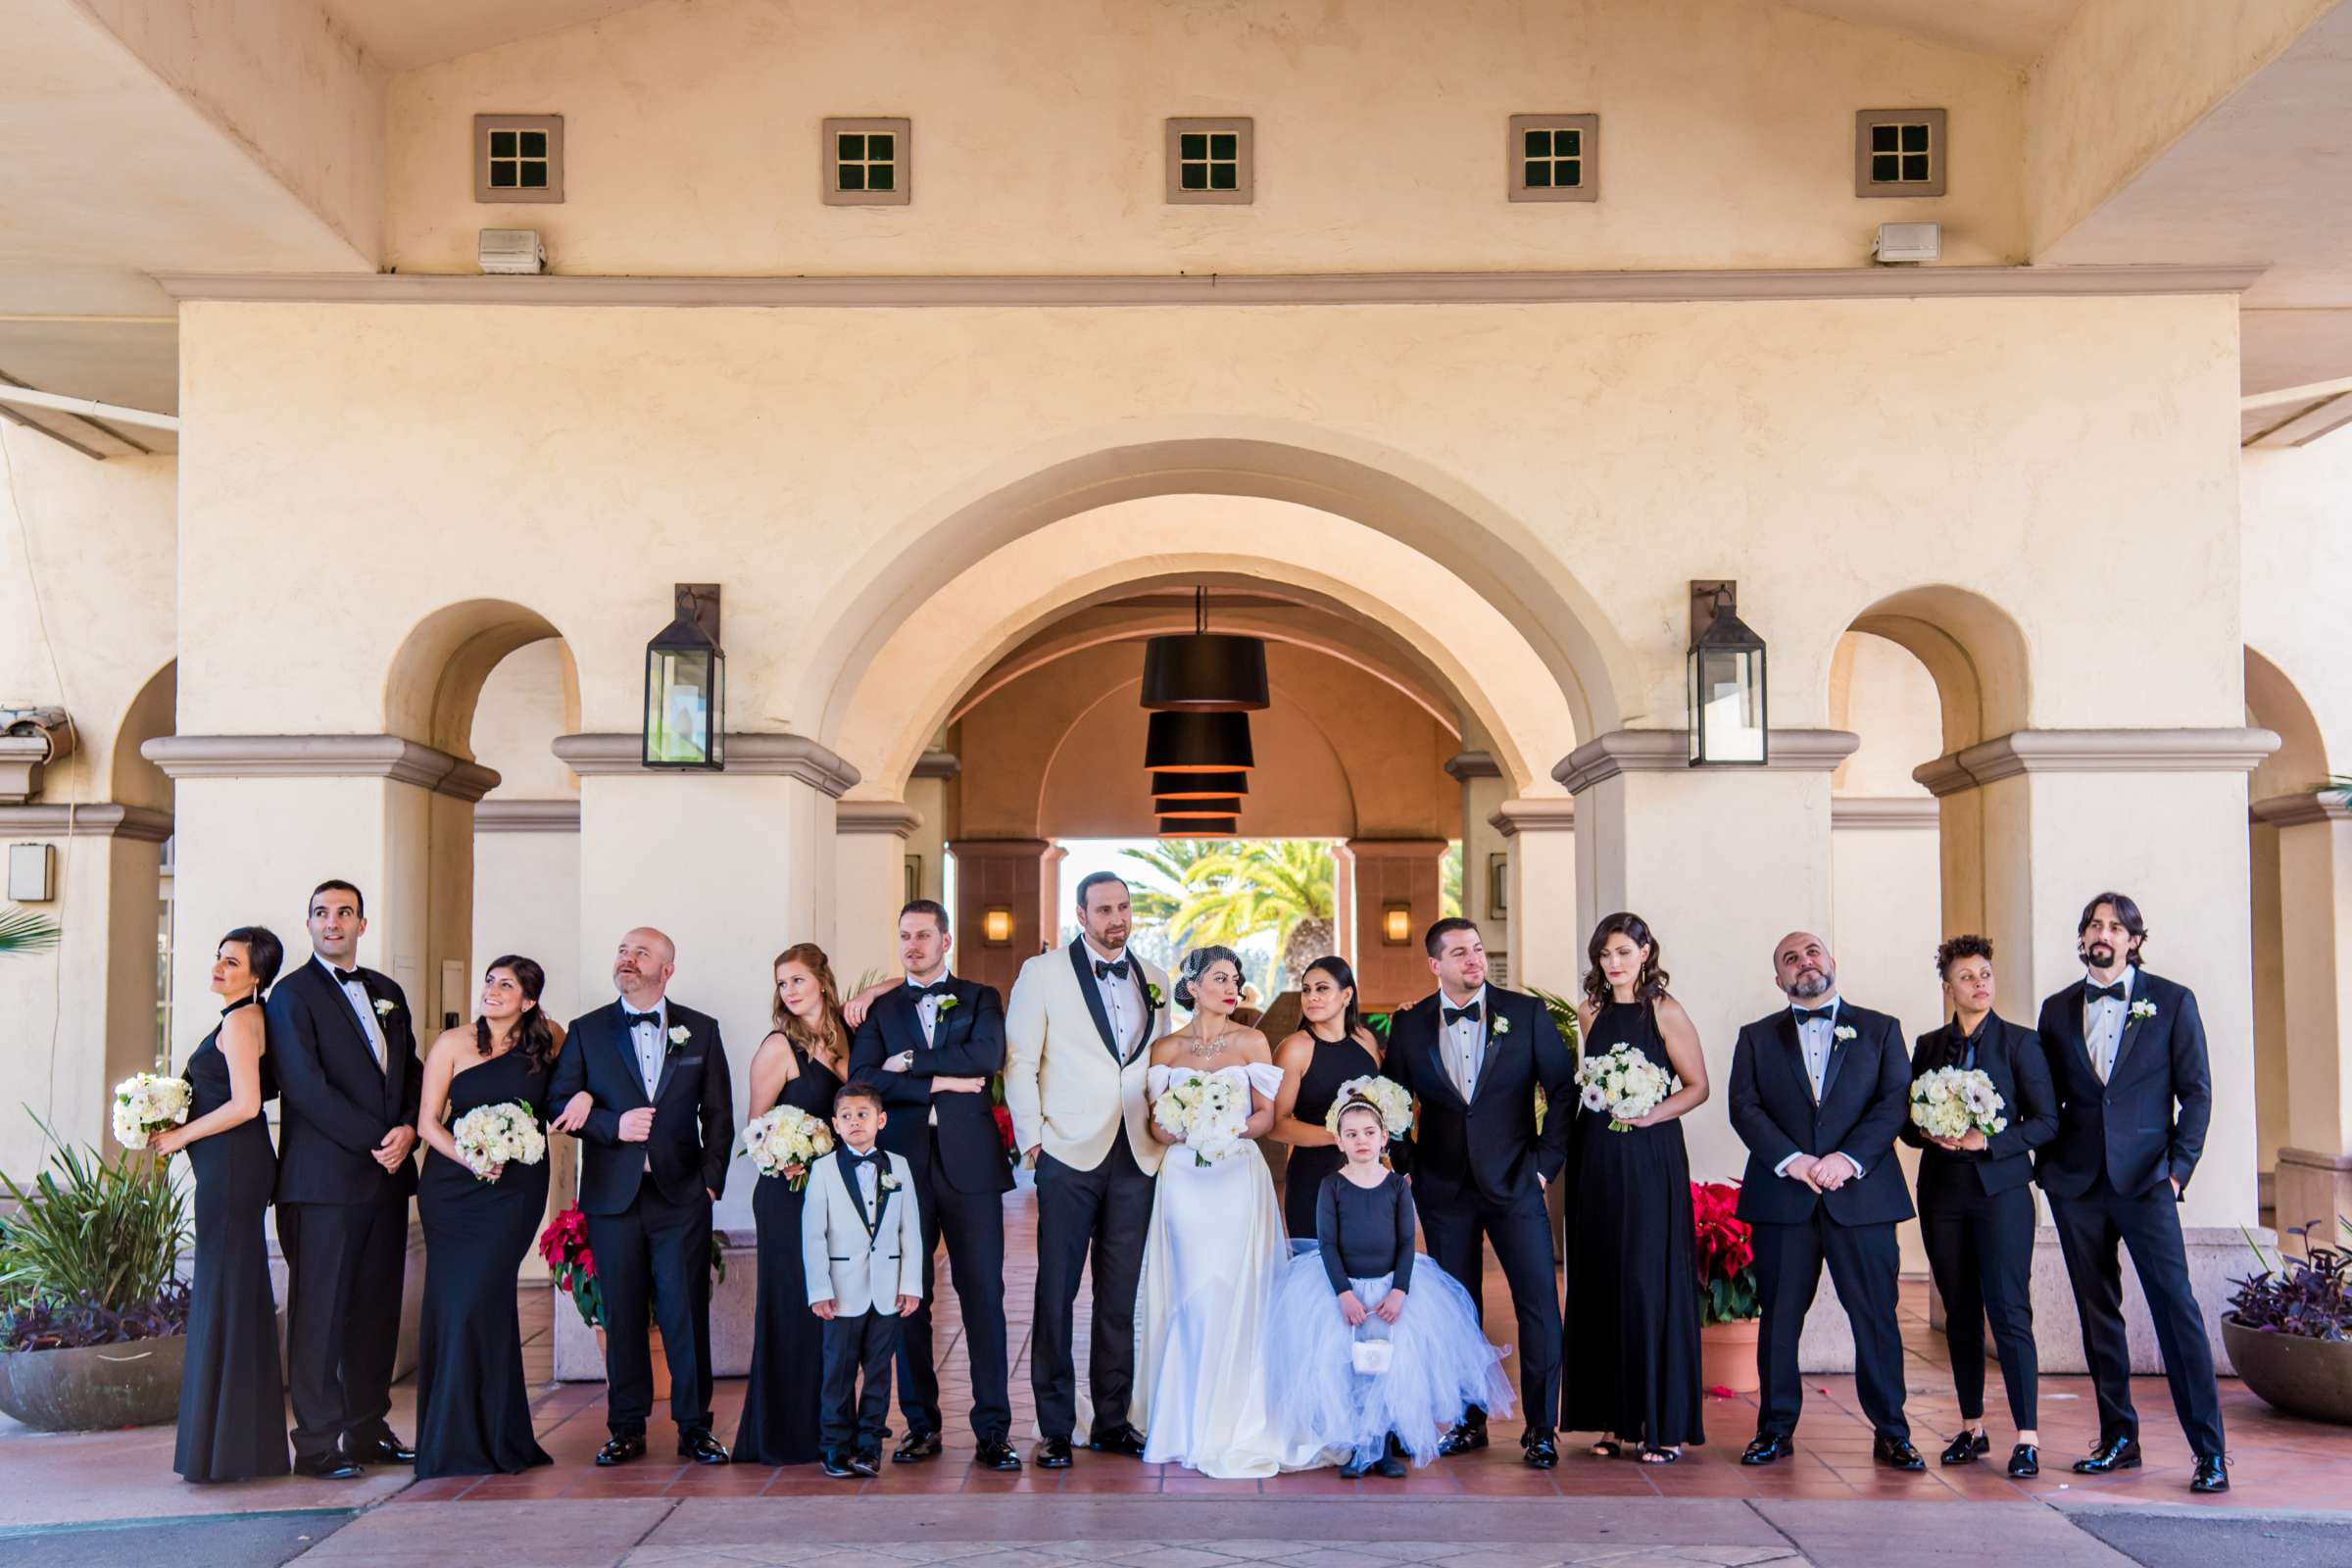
[(563, 1245), (1727, 1254)]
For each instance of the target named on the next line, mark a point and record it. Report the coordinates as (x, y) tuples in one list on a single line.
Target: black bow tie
[(855, 1159), (631, 1020), (2113, 993), (1110, 970), (1806, 1015), (1454, 1015), (937, 987), (344, 977)]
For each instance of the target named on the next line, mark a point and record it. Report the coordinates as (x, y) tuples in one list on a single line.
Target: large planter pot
[(98, 1388), (1727, 1356), (2303, 1377)]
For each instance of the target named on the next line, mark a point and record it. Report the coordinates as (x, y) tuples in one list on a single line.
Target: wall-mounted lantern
[(1728, 726), (686, 685)]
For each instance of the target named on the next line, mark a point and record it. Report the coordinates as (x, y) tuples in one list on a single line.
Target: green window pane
[(1885, 169), (534, 143), (852, 145), (1571, 173), (1538, 173), (1568, 143), (1915, 138), (852, 177), (1193, 176), (1224, 144), (534, 176), (1222, 176), (879, 146), (502, 144), (1915, 166), (881, 177), (1884, 139), (1193, 144), (1539, 144), (502, 175)]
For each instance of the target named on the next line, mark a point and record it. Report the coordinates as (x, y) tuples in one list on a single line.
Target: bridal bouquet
[(1624, 1085), (1395, 1102), (785, 1138), (1203, 1113), (489, 1137), (1951, 1101), (145, 1104)]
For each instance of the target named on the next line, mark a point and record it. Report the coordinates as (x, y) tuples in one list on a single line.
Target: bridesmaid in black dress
[(1334, 1048), (473, 1409), (800, 1063), (1631, 1370), (233, 1401)]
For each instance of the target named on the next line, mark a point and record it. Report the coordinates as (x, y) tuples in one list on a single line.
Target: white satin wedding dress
[(1214, 1252)]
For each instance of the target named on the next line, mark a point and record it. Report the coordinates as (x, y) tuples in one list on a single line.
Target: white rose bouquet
[(1395, 1101), (785, 1142), (145, 1104), (492, 1137), (1203, 1113), (1624, 1085), (1952, 1102)]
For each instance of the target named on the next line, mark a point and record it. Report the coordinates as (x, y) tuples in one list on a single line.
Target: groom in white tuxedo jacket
[(1077, 1035)]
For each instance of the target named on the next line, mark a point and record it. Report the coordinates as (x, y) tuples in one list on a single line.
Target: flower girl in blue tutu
[(1374, 1351)]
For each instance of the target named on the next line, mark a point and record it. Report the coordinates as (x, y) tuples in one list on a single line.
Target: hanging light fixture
[(1199, 828), (1198, 786), (1219, 806), (1205, 672), (1198, 742)]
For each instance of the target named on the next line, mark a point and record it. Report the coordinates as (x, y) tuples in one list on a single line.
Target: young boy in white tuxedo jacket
[(861, 1249)]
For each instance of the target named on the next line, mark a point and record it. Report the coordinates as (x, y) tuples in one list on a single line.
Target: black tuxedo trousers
[(854, 1412), (655, 1256), (973, 1225), (1105, 1211), (344, 1267), (2090, 1228), (1864, 1262)]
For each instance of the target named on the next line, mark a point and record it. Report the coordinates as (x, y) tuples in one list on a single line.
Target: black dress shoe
[(1390, 1464), (1537, 1449), (837, 1465), (328, 1467), (1966, 1448), (2212, 1475), (914, 1447), (1462, 1439), (2025, 1461), (622, 1449), (702, 1448), (866, 1461), (1121, 1440), (994, 1455), (2108, 1457), (1896, 1453), (386, 1449), (1356, 1468), (1766, 1447), (1053, 1455)]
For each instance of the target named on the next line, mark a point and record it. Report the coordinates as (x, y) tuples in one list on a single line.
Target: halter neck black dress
[(1334, 1064), (232, 1400), (780, 1404)]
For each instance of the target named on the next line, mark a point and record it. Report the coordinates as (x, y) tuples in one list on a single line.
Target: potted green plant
[(92, 1316), (2289, 1329), (1730, 1314)]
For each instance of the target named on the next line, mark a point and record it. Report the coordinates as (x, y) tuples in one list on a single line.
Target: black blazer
[(334, 1103), (694, 1109), (2128, 1126), (970, 1045), (1488, 1145), (1864, 1100), (2011, 1057)]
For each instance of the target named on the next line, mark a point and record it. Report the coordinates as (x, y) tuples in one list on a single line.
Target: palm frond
[(27, 931)]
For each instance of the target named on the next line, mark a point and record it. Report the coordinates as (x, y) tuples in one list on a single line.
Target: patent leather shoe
[(2212, 1475), (702, 1448), (1053, 1455), (866, 1461), (1766, 1447), (1540, 1449), (1121, 1440), (1461, 1440), (329, 1467), (2108, 1457), (386, 1449), (1966, 1448), (916, 1447), (837, 1465), (2025, 1461), (996, 1454), (621, 1448), (1897, 1453)]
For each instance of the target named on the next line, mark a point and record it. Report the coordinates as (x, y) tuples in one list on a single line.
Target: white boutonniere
[(888, 1183), (1843, 1031), (1501, 1027), (1152, 990), (385, 1007), (2144, 1008), (947, 1002), (679, 1034)]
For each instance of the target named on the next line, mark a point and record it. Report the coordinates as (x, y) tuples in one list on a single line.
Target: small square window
[(1900, 152), (867, 163), (1209, 161), (1553, 158), (519, 157)]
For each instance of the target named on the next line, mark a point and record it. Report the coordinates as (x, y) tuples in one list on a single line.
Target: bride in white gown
[(1216, 1249)]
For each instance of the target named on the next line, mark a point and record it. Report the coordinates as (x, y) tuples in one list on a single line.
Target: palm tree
[(1233, 891), (24, 931), (1449, 881)]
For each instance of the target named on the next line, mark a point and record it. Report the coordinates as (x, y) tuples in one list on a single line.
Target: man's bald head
[(1802, 968), (643, 966)]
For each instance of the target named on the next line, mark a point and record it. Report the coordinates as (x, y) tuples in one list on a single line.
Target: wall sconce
[(995, 925), (1725, 681), (1498, 883), (686, 685), (1395, 924)]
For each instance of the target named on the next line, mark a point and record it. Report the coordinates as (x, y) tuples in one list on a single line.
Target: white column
[(1484, 791), (869, 886), (1544, 935), (2315, 891)]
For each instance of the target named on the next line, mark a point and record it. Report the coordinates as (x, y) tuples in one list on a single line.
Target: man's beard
[(2099, 955), (1815, 984)]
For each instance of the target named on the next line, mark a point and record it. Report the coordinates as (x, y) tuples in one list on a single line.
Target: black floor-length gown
[(781, 1406), (232, 1398), (473, 1409), (1631, 1334), (1333, 1062)]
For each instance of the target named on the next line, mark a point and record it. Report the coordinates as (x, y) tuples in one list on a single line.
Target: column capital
[(2300, 810), (1885, 813), (1544, 814), (388, 756), (938, 765), (876, 816), (2096, 751), (97, 819), (787, 755), (1662, 751), (1467, 765), (560, 815)]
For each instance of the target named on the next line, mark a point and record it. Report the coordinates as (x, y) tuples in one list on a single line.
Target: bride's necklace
[(1199, 1047)]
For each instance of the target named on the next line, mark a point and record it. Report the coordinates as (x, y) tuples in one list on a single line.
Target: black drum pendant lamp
[(1205, 672), (1198, 742), (1199, 828), (1222, 806), (1198, 786)]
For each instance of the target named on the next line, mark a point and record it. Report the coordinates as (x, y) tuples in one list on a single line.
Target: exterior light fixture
[(1219, 806), (686, 685), (1199, 828), (995, 925), (1198, 786), (1395, 924), (1198, 742), (1728, 725), (1205, 672)]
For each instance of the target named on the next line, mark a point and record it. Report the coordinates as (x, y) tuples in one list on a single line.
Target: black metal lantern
[(1205, 672), (686, 685), (1219, 806), (1726, 682), (1198, 786), (1198, 742)]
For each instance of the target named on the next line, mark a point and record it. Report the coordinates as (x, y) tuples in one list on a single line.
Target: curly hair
[(1196, 964), (1649, 981), (1951, 952)]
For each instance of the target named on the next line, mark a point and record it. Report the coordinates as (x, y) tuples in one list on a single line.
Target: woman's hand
[(795, 1171), (1351, 1311), (1391, 1307), (170, 1141), (495, 1171), (576, 1114), (1971, 1141)]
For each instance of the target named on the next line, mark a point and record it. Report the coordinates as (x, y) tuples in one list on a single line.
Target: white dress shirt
[(1122, 1000), (1465, 1041), (869, 1176), (1817, 1039), (2103, 1022), (926, 1011), (362, 1007), (650, 1039)]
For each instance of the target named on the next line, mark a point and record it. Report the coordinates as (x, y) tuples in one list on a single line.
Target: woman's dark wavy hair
[(534, 1035), (1649, 984), (1196, 964), (1951, 952), (264, 955), (1351, 1022)]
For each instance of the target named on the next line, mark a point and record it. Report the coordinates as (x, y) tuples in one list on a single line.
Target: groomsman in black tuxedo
[(1819, 1091), (345, 1054), (2126, 1048), (644, 1079), (932, 1046), (1475, 1053)]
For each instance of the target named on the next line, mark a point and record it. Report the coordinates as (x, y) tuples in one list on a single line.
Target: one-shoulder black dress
[(232, 1400), (781, 1406)]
